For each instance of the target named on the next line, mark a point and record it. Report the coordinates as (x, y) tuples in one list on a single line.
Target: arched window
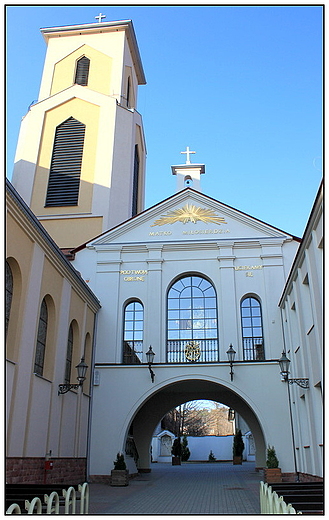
[(133, 333), (69, 354), (41, 339), (135, 183), (192, 321), (82, 71), (9, 292), (128, 92), (252, 329), (65, 168)]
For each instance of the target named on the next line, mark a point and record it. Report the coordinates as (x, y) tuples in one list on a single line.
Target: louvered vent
[(82, 71), (65, 168)]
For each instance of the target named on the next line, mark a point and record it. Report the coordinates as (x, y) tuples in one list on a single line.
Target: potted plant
[(176, 452), (120, 473), (185, 450), (211, 457), (238, 447), (272, 472)]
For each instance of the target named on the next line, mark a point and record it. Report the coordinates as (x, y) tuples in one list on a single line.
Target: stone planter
[(237, 460), (176, 461), (272, 475), (119, 477)]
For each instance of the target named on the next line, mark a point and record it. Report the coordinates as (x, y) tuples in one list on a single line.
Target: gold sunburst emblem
[(192, 351), (189, 213)]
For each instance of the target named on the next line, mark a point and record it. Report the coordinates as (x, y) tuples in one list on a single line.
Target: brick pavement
[(190, 489)]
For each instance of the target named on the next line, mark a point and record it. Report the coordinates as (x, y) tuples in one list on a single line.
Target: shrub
[(238, 444), (176, 449), (120, 462), (211, 457), (185, 450), (271, 461)]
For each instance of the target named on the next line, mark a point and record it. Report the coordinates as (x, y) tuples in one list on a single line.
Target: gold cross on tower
[(188, 151)]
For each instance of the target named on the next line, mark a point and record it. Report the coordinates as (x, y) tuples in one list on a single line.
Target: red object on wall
[(49, 464)]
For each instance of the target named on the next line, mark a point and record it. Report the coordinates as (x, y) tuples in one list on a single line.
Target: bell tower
[(80, 158)]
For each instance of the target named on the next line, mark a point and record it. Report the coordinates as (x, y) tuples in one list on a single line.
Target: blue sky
[(240, 85)]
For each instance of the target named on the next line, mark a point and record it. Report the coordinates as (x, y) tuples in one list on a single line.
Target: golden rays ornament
[(189, 213)]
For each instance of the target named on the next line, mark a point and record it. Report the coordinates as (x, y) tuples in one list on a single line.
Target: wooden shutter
[(82, 71), (65, 168)]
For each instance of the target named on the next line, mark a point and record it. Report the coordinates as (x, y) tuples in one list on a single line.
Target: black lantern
[(284, 363), (231, 356), (150, 357), (82, 369)]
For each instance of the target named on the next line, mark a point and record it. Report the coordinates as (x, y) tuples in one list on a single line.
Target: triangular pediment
[(189, 215)]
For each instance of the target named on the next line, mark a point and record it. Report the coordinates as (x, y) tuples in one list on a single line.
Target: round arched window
[(192, 334)]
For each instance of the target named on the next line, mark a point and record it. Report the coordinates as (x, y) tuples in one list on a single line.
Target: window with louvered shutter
[(69, 354), (9, 292), (82, 71), (65, 168), (135, 182)]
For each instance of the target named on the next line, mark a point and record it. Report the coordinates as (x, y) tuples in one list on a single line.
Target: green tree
[(185, 450)]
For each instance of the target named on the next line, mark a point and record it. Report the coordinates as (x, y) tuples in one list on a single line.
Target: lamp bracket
[(65, 387), (151, 372), (301, 381)]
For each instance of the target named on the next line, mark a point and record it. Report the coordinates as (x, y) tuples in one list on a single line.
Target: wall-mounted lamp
[(231, 415), (82, 369), (231, 356), (150, 356), (284, 363)]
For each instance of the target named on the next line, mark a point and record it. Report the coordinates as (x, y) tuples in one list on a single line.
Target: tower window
[(135, 183), (65, 168), (252, 329), (82, 71)]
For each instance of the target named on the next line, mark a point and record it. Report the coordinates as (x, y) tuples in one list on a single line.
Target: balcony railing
[(192, 351), (132, 352), (253, 349)]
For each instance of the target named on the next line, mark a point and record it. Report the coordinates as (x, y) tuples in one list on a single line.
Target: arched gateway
[(189, 276), (154, 408)]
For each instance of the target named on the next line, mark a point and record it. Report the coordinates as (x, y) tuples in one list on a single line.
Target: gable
[(186, 216)]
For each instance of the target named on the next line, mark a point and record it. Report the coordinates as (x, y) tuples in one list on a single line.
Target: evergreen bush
[(238, 444), (211, 457), (120, 462), (272, 460), (185, 450)]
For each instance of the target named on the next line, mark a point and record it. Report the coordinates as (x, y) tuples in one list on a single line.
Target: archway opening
[(153, 409)]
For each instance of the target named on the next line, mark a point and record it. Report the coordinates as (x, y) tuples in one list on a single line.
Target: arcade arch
[(153, 408)]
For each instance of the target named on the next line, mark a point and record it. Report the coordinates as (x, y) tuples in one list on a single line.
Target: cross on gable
[(188, 152), (100, 16)]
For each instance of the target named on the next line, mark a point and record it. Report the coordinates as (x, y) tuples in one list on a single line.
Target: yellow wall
[(100, 70), (88, 114), (69, 233)]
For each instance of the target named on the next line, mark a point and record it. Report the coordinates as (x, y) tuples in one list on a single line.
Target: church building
[(197, 300)]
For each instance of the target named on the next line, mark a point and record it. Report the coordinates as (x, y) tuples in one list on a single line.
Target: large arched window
[(41, 339), (192, 321), (9, 292), (252, 329), (133, 333)]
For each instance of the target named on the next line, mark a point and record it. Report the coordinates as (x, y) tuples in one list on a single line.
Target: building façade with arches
[(189, 277)]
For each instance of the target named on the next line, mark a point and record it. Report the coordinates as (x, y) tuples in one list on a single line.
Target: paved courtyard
[(190, 489)]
